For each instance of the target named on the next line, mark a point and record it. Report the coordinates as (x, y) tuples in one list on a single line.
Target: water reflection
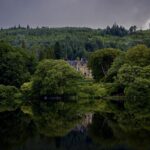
[(67, 126), (107, 131)]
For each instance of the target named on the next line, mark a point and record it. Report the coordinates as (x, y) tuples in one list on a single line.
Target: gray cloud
[(90, 13)]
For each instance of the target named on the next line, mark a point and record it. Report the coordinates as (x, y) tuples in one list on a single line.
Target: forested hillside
[(71, 42)]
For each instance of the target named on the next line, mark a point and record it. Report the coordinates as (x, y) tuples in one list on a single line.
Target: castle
[(81, 66)]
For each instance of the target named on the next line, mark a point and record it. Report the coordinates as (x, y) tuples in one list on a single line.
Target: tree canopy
[(73, 42), (55, 77), (13, 65), (138, 55), (101, 60)]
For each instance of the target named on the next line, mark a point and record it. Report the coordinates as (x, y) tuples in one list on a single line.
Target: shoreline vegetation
[(39, 83)]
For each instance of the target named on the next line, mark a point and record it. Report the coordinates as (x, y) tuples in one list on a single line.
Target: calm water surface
[(61, 127)]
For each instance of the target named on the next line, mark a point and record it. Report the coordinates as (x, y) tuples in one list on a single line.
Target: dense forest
[(72, 42)]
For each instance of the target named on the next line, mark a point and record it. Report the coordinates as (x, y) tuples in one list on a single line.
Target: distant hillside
[(73, 42)]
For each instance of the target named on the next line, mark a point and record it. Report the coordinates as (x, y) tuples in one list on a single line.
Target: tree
[(115, 30), (9, 97), (31, 62), (26, 90), (55, 77), (57, 51), (89, 46), (28, 27), (128, 73), (19, 26), (23, 44), (116, 65), (101, 60), (132, 29), (138, 95), (145, 72), (138, 55), (13, 67), (46, 53)]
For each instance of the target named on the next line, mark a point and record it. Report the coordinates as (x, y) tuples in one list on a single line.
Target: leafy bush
[(26, 90), (100, 62), (12, 66), (93, 90), (138, 55), (55, 77), (138, 95), (10, 97)]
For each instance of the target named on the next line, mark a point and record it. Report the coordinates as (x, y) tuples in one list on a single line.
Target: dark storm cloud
[(91, 13)]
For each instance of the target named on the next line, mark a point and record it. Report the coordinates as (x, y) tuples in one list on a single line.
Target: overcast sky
[(88, 13)]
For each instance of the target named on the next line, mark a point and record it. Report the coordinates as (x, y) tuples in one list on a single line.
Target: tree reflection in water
[(53, 126)]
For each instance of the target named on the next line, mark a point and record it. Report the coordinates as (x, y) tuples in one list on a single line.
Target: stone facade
[(81, 66)]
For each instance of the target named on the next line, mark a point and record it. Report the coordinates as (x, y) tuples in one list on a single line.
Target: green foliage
[(10, 97), (26, 90), (46, 53), (8, 92), (13, 66), (74, 42), (114, 89), (134, 75), (101, 61), (116, 65), (145, 72), (30, 60), (55, 119), (130, 77), (138, 55), (132, 29), (138, 95), (127, 74), (55, 77), (115, 30), (92, 90), (57, 51)]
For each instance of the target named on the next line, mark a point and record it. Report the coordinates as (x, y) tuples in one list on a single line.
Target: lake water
[(64, 127)]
